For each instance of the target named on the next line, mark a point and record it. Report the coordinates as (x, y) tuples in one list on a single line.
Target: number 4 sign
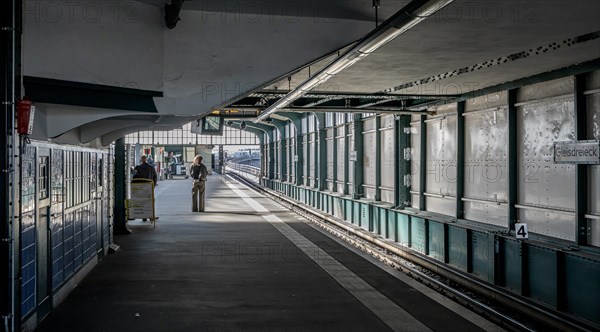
[(521, 231)]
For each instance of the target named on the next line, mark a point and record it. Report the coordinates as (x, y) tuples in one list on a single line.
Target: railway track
[(496, 304)]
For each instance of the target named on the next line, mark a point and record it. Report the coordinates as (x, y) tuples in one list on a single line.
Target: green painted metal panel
[(338, 207), (542, 274), (383, 224), (435, 243), (348, 211), (376, 220), (480, 255), (511, 264), (403, 229), (457, 247), (391, 225), (356, 212), (583, 286), (330, 209), (417, 234), (365, 217)]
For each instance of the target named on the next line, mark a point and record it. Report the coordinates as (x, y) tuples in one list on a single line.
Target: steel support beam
[(423, 164), (581, 183), (280, 125), (460, 159), (358, 163), (334, 159), (268, 130), (120, 219), (513, 175), (321, 153), (296, 119), (402, 190), (10, 90), (377, 158), (346, 159)]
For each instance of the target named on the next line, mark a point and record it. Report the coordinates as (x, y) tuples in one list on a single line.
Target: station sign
[(577, 152)]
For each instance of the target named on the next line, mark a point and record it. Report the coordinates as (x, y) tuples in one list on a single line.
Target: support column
[(377, 158), (270, 146), (299, 155), (513, 175), (423, 164), (297, 121), (321, 152), (10, 39), (120, 219), (460, 159), (346, 159), (358, 163), (581, 176), (280, 125), (402, 189), (334, 155)]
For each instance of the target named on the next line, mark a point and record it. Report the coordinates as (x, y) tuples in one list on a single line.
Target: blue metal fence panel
[(77, 241), (28, 263), (69, 244)]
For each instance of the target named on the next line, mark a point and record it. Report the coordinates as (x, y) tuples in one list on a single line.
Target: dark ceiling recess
[(172, 13)]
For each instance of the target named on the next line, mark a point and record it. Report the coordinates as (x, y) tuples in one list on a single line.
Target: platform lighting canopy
[(409, 16)]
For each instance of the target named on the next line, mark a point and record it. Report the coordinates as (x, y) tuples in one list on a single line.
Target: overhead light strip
[(409, 16)]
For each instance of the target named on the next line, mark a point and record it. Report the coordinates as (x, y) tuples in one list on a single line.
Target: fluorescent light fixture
[(416, 11)]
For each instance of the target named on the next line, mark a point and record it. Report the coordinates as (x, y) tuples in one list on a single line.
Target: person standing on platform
[(145, 171), (198, 172)]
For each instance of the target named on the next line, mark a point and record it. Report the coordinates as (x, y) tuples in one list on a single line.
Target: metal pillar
[(120, 219), (377, 158), (513, 175), (402, 189), (10, 51), (296, 119), (423, 164), (321, 152), (581, 183), (460, 159), (271, 146), (346, 159), (358, 163), (280, 125)]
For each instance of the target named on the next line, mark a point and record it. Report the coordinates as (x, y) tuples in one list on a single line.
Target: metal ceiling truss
[(257, 102)]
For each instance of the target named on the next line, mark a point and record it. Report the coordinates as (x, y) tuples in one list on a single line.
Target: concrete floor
[(226, 269)]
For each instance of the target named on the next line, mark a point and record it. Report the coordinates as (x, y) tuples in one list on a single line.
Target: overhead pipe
[(387, 110), (409, 16)]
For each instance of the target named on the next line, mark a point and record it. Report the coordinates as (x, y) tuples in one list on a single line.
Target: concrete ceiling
[(222, 51)]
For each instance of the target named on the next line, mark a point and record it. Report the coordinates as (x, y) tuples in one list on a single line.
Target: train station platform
[(246, 264)]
